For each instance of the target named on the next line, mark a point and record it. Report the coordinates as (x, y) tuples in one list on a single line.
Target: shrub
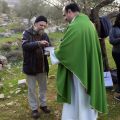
[(14, 55), (5, 47)]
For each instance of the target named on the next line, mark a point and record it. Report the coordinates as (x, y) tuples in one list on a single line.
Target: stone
[(11, 92), (22, 83), (2, 96), (52, 77), (8, 97), (2, 106), (10, 85), (10, 104), (18, 91), (3, 60)]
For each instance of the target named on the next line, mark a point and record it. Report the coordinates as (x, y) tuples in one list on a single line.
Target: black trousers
[(116, 57)]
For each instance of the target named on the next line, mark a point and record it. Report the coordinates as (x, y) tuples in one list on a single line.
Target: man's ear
[(69, 11)]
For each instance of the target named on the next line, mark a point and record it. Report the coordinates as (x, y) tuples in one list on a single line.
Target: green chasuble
[(79, 53)]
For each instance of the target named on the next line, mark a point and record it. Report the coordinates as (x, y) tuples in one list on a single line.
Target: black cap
[(40, 18)]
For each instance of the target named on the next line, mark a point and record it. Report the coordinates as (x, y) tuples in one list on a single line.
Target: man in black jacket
[(35, 64)]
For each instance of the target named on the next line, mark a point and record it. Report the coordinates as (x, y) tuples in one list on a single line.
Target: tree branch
[(102, 4), (53, 4), (95, 13), (113, 14)]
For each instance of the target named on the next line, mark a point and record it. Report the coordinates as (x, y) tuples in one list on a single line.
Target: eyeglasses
[(41, 25)]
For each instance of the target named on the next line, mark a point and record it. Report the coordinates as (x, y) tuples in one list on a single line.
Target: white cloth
[(53, 58), (80, 108)]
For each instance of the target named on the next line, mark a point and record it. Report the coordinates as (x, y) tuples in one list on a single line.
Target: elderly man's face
[(40, 26)]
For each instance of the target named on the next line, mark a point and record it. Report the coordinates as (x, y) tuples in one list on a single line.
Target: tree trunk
[(95, 19)]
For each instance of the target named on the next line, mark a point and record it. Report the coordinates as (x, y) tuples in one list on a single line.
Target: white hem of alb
[(80, 108)]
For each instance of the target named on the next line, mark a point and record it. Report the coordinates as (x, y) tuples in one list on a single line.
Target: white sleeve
[(53, 58)]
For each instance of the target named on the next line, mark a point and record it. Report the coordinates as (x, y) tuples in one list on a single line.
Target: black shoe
[(35, 114), (117, 97), (117, 90), (45, 109)]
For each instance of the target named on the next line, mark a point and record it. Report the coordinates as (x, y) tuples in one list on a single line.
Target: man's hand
[(43, 43)]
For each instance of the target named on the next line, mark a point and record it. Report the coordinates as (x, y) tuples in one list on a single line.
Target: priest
[(80, 81)]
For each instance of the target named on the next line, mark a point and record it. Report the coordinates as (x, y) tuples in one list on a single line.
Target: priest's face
[(68, 15)]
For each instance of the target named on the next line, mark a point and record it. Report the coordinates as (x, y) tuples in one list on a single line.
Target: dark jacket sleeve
[(27, 44), (113, 39)]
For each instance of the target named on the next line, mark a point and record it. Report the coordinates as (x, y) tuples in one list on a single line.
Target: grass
[(20, 109), (2, 29), (17, 108), (11, 39)]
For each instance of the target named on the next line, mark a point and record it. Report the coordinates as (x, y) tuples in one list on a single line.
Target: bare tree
[(30, 8), (4, 7)]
